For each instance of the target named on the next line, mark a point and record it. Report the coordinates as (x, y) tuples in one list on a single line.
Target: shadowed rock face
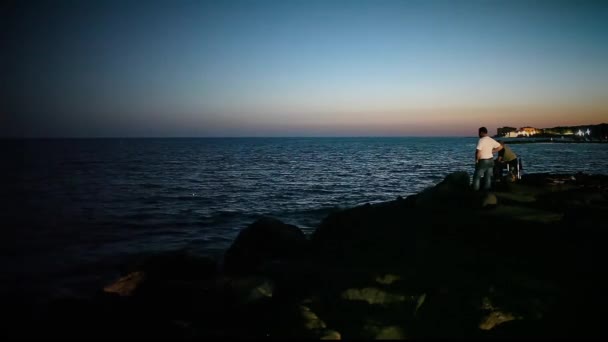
[(523, 261), (265, 240), (455, 245), (401, 232), (454, 190)]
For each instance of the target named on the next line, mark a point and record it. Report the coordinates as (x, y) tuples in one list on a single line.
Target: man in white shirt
[(484, 159)]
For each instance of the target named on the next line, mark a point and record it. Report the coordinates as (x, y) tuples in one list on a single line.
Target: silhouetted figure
[(484, 159)]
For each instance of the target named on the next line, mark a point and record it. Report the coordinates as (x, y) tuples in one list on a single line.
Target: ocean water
[(72, 209)]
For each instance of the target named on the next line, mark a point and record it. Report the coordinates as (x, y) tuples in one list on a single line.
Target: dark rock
[(488, 200), (372, 295), (455, 191), (392, 233), (391, 332), (366, 236), (176, 265), (166, 284), (127, 285), (248, 290), (264, 240)]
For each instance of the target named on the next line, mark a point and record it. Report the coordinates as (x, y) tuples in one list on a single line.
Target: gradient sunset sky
[(299, 68)]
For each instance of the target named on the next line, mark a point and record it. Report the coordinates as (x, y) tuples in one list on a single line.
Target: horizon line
[(266, 136), (240, 137)]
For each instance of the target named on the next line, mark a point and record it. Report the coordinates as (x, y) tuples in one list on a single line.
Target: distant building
[(504, 131), (528, 131), (586, 131), (512, 132)]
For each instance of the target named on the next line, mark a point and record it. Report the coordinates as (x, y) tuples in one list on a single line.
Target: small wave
[(151, 186), (192, 197)]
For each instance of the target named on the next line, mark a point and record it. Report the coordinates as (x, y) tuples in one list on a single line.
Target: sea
[(73, 210)]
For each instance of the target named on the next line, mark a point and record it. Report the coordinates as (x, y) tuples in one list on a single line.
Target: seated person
[(505, 157)]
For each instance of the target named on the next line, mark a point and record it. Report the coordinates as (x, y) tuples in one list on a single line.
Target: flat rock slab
[(523, 198), (525, 214)]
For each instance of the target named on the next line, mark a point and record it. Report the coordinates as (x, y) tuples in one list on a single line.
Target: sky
[(299, 68)]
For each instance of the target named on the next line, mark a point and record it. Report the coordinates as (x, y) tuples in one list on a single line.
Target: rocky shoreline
[(525, 260)]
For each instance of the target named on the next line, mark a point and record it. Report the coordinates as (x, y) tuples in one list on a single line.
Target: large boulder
[(264, 241), (376, 237), (454, 191), (387, 236)]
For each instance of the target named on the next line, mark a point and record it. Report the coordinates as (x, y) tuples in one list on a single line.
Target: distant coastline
[(553, 140), (562, 134)]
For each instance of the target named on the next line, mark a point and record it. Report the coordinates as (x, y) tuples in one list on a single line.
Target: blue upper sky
[(300, 68)]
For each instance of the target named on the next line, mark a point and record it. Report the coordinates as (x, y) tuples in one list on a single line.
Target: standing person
[(505, 157), (484, 159)]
